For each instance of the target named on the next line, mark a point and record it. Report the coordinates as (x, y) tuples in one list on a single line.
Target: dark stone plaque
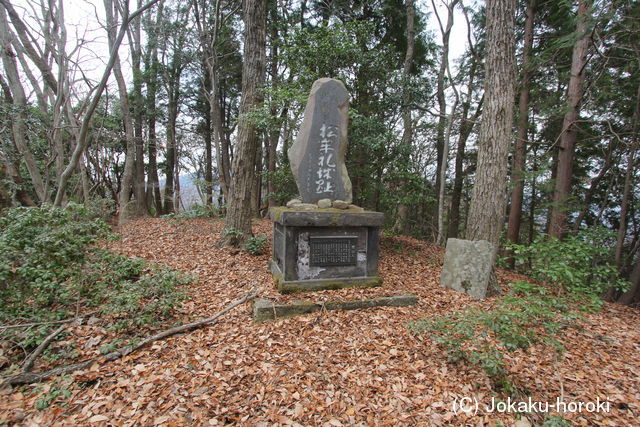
[(333, 251)]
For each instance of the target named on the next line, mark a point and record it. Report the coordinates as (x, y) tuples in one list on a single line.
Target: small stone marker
[(317, 156), (468, 266)]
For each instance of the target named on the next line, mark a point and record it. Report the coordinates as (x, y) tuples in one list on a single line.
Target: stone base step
[(264, 309)]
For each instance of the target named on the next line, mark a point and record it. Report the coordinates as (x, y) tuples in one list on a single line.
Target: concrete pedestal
[(325, 248)]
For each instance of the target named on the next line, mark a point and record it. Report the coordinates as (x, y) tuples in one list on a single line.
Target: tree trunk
[(400, 224), (18, 122), (592, 188), (562, 189), (519, 155), (238, 219), (150, 82), (622, 229), (172, 79), (57, 113), (486, 213), (274, 134), (440, 94), (208, 153), (466, 127), (219, 138), (139, 189), (444, 136), (256, 197), (533, 204), (92, 103), (632, 296), (152, 87), (208, 23), (170, 168), (177, 197), (129, 163)]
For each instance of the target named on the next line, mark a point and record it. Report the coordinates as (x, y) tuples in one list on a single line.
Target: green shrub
[(528, 315), (256, 245), (57, 393), (50, 266), (100, 207), (145, 301), (44, 249), (580, 263)]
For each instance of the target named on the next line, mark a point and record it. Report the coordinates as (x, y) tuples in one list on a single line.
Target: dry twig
[(33, 377), (29, 361)]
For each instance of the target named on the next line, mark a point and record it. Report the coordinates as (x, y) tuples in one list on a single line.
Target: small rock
[(340, 204), (523, 422), (324, 203), (304, 206), (292, 202), (94, 341), (18, 415), (356, 208)]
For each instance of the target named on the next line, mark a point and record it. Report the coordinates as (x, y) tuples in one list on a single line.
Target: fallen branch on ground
[(34, 377), (29, 361), (53, 322)]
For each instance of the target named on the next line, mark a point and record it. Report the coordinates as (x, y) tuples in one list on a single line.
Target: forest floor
[(361, 367)]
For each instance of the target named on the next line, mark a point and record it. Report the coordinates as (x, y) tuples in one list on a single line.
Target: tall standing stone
[(318, 155)]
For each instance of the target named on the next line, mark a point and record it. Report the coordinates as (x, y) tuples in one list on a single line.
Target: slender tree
[(210, 19), (128, 178), (626, 193), (519, 155), (467, 123), (444, 140), (569, 135), (152, 68), (238, 220), (19, 99), (407, 133), (441, 142), (137, 101)]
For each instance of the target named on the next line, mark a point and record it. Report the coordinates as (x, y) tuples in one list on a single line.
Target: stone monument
[(321, 240), (468, 266)]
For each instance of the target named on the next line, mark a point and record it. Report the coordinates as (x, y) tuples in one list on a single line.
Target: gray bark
[(486, 212), (238, 216), (564, 173), (18, 122), (407, 133)]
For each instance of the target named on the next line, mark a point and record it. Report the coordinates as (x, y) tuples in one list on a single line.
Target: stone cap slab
[(329, 217)]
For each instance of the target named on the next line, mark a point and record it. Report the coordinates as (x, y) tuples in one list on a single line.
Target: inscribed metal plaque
[(333, 251)]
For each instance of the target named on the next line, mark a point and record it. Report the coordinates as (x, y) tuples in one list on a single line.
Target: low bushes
[(52, 269)]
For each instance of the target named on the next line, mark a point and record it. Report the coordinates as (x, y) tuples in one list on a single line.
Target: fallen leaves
[(330, 368)]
